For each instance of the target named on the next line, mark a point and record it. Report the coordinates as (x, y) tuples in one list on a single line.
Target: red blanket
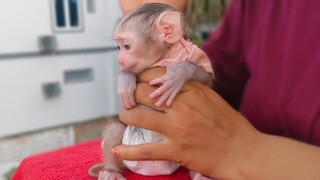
[(72, 163)]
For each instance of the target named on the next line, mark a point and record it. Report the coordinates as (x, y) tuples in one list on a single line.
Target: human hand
[(201, 131), (127, 6)]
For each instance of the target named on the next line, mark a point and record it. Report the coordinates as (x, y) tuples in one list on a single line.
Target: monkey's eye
[(118, 47), (127, 46)]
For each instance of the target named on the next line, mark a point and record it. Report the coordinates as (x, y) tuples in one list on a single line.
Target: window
[(73, 12), (66, 15), (60, 19)]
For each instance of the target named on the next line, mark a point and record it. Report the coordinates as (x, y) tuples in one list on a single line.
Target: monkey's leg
[(110, 168), (112, 136)]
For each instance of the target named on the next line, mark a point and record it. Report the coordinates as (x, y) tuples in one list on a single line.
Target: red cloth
[(72, 163), (266, 59)]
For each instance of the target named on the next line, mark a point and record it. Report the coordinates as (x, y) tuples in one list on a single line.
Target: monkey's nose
[(122, 64)]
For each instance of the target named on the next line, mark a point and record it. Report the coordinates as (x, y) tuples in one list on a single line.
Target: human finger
[(145, 118), (150, 151)]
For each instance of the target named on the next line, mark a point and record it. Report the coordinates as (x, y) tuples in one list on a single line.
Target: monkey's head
[(145, 34)]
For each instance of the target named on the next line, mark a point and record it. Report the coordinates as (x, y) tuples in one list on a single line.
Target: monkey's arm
[(199, 74), (172, 82), (126, 88)]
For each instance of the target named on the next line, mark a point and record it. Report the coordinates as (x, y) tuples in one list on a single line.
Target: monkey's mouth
[(130, 68)]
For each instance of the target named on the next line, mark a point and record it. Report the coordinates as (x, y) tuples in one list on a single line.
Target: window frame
[(67, 17)]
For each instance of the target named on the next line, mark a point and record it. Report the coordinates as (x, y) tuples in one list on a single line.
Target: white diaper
[(134, 136)]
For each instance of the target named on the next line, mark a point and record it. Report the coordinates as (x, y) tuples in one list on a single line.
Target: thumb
[(150, 151)]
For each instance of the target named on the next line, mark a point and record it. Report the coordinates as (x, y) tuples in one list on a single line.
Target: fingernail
[(115, 152)]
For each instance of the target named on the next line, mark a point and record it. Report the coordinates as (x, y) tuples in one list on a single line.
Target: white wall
[(23, 21), (24, 69)]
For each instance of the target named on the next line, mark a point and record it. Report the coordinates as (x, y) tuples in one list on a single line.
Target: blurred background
[(58, 68)]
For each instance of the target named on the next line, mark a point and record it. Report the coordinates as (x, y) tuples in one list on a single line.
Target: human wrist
[(239, 158), (246, 165)]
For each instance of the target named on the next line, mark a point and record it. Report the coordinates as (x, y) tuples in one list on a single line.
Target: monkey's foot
[(199, 176), (109, 175)]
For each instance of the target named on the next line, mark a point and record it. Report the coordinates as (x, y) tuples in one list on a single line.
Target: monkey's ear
[(169, 24)]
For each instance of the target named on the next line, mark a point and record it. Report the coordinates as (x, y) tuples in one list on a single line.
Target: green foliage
[(202, 16), (9, 174)]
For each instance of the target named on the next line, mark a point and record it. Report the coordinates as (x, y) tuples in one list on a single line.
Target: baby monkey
[(149, 36)]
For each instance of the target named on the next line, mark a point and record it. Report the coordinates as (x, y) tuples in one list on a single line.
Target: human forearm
[(274, 157), (128, 5)]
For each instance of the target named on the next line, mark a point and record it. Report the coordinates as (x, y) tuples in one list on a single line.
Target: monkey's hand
[(172, 82), (126, 88), (110, 175)]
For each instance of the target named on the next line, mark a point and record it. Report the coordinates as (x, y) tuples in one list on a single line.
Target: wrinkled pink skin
[(134, 57)]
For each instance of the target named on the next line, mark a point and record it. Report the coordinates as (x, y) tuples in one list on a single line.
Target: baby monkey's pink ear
[(169, 24)]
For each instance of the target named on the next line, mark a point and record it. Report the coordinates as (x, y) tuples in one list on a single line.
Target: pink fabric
[(72, 163), (186, 51), (266, 58)]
